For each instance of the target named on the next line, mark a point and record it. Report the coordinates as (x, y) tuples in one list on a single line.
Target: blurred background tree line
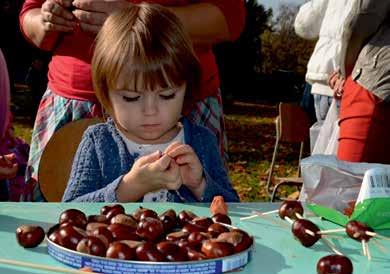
[(267, 63)]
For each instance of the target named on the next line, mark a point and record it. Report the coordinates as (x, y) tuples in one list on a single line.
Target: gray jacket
[(369, 45)]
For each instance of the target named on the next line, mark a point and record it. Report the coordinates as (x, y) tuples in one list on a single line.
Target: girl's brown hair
[(145, 42)]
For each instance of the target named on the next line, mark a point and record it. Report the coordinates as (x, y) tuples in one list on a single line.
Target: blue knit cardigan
[(102, 159)]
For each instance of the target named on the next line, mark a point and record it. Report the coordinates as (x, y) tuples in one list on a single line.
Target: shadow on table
[(10, 223), (39, 249), (266, 260)]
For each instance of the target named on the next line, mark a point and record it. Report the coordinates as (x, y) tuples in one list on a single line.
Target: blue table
[(276, 251)]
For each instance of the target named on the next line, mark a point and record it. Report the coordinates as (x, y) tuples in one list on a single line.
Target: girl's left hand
[(93, 13), (191, 170), (8, 167)]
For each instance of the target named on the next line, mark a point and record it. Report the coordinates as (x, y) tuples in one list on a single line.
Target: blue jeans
[(321, 105)]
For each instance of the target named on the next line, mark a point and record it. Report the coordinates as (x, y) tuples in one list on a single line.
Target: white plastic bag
[(327, 140), (331, 182)]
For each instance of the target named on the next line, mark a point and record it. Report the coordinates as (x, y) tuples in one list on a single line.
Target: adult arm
[(363, 23), (42, 22), (212, 21), (208, 21), (309, 19)]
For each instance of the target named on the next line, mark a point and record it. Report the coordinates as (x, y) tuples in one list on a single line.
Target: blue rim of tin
[(117, 266)]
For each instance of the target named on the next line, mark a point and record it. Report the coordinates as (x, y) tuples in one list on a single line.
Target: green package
[(372, 206)]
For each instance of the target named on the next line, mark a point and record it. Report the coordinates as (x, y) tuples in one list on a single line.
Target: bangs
[(150, 74)]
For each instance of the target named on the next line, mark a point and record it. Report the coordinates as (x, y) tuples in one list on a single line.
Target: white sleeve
[(309, 19)]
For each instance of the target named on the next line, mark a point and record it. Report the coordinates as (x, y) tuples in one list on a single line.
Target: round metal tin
[(115, 266)]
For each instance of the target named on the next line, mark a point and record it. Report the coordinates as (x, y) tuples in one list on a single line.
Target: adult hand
[(93, 13), (191, 170), (56, 16), (336, 82), (8, 167)]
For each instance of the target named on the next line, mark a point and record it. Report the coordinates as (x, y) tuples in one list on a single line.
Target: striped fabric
[(56, 111), (53, 113)]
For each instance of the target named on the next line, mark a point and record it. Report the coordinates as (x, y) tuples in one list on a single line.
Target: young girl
[(144, 70)]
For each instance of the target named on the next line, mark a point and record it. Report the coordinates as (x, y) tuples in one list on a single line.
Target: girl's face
[(148, 117)]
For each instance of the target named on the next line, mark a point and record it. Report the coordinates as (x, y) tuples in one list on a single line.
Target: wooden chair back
[(294, 123), (57, 158)]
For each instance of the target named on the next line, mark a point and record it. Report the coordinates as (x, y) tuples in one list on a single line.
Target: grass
[(251, 134)]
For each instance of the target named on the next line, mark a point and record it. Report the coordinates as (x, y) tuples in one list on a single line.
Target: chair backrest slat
[(294, 123)]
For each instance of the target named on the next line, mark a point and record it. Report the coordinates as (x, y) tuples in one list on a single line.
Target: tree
[(282, 49), (239, 62)]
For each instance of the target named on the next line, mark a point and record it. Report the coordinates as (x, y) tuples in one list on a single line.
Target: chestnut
[(216, 229), (142, 213), (150, 228), (148, 252), (104, 233), (114, 211), (196, 239), (168, 222), (122, 232), (70, 236), (193, 228), (218, 205), (221, 218), (29, 235), (118, 250), (357, 231), (97, 219), (131, 244), (238, 238), (92, 226), (170, 213), (124, 219), (185, 216), (334, 264), (300, 228), (215, 249), (55, 237), (202, 221), (75, 217), (105, 209), (92, 245), (290, 208), (194, 255), (176, 236), (171, 251)]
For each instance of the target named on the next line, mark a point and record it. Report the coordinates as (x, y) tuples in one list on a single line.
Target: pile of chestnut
[(143, 235)]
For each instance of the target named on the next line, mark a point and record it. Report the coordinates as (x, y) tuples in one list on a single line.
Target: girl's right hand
[(155, 171), (56, 16), (8, 167)]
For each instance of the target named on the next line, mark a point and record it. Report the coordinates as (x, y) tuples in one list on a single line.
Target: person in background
[(144, 70), (13, 151), (365, 102), (68, 28), (325, 20)]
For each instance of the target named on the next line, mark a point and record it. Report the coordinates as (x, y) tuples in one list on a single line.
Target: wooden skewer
[(42, 267), (270, 212), (249, 217), (259, 213), (226, 225), (331, 231), (299, 216), (331, 246), (288, 220), (373, 234), (364, 248)]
